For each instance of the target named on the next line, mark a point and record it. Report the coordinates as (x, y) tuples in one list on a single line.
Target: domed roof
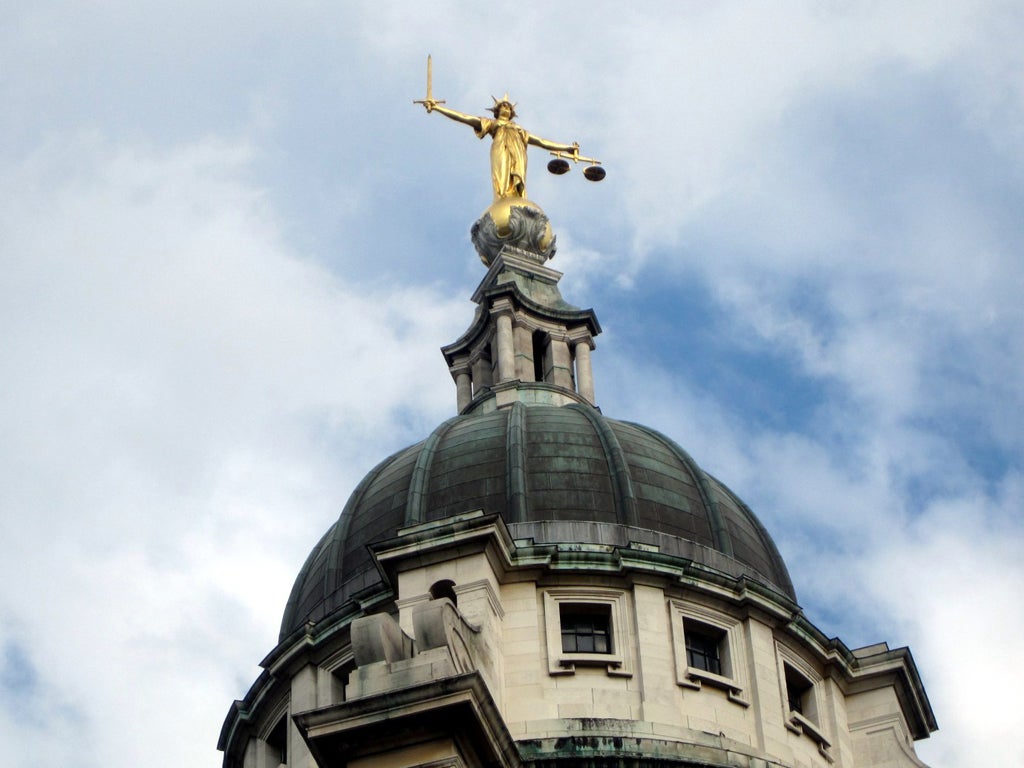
[(554, 474)]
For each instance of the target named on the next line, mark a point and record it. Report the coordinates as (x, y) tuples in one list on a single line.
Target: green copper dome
[(555, 475)]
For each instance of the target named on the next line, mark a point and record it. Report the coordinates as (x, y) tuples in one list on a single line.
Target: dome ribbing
[(555, 475)]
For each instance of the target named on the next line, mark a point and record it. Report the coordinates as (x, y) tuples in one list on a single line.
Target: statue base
[(513, 221)]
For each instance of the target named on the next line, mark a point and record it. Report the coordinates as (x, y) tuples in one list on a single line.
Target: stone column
[(303, 698), (463, 383), (506, 348), (463, 390), (584, 374), (524, 353), (561, 365)]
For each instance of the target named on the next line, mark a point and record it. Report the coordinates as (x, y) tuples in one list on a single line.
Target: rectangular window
[(706, 644), (277, 743), (585, 628), (800, 682), (799, 692), (703, 645)]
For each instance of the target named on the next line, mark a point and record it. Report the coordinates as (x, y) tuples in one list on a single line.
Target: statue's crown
[(503, 100)]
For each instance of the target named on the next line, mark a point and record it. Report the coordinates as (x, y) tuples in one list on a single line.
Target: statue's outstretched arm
[(553, 146), (461, 117)]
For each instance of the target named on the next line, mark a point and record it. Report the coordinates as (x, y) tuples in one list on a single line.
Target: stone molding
[(456, 712)]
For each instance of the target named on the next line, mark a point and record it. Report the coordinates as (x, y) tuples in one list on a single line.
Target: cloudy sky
[(230, 248)]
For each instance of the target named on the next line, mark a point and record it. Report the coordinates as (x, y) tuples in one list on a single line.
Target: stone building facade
[(537, 584)]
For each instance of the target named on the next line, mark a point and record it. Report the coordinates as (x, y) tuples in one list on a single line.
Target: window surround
[(335, 672), (275, 751), (732, 679), (617, 662), (808, 722)]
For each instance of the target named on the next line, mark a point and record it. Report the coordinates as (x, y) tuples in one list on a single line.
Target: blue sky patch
[(17, 675)]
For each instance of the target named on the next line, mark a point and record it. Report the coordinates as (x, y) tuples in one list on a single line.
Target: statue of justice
[(509, 142)]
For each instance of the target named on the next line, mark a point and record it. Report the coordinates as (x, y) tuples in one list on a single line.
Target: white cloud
[(187, 404), (953, 576)]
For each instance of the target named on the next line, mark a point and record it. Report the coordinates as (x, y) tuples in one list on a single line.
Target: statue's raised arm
[(432, 105)]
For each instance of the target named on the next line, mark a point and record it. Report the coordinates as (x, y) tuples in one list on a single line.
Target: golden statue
[(511, 219), (508, 147)]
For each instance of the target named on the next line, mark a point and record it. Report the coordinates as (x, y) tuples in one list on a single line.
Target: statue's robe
[(508, 156)]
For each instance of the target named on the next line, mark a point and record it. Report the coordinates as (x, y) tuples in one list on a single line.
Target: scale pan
[(558, 167), (594, 172)]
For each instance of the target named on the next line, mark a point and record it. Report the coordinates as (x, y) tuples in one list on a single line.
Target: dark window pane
[(798, 690), (585, 628), (795, 702), (277, 741), (702, 648)]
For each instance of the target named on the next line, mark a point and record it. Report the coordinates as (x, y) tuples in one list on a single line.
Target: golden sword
[(430, 93)]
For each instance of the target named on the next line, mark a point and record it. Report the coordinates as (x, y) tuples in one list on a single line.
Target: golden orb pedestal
[(514, 221)]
